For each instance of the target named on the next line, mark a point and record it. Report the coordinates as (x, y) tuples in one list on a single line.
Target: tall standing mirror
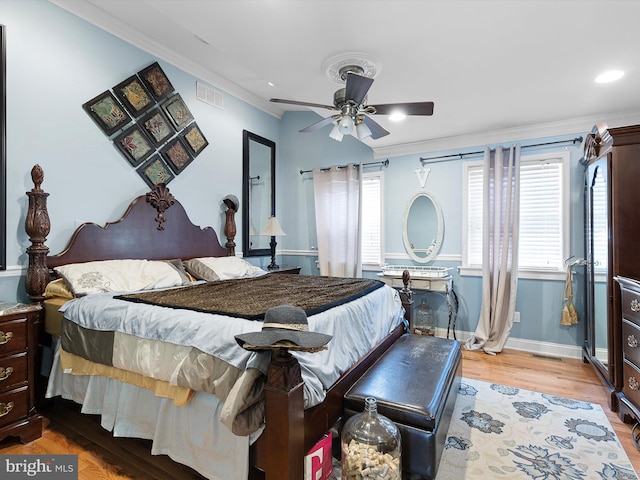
[(258, 192), (597, 246), (423, 228)]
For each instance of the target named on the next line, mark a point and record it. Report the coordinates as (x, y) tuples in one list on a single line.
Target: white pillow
[(221, 268), (119, 276)]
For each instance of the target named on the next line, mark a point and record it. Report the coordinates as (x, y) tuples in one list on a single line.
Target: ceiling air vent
[(206, 94)]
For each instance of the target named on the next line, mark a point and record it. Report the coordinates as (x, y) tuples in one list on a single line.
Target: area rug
[(504, 432), (500, 432)]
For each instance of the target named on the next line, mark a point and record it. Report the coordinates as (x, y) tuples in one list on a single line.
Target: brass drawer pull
[(635, 305), (5, 373), (5, 337), (5, 408), (632, 341)]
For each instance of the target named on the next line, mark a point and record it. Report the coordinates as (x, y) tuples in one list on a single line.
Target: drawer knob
[(632, 341), (5, 408), (635, 305), (633, 383), (5, 373), (5, 337)]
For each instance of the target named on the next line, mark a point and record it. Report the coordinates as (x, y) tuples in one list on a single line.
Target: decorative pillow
[(119, 276), (221, 268), (57, 288), (179, 266)]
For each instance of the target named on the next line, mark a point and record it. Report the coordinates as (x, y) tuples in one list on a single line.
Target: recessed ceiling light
[(270, 84), (397, 116), (609, 76)]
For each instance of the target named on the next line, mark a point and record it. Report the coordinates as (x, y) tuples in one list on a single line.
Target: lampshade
[(273, 228), (362, 131), (336, 134), (345, 125)]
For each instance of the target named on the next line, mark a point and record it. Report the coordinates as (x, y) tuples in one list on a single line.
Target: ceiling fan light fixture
[(362, 131), (336, 134), (345, 125)]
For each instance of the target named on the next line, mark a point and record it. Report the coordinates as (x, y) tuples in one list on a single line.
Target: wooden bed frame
[(155, 226)]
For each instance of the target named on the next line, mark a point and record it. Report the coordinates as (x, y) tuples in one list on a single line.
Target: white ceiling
[(512, 66)]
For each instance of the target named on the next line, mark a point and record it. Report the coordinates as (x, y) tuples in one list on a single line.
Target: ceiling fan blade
[(302, 104), (357, 87), (318, 125), (376, 129), (411, 108)]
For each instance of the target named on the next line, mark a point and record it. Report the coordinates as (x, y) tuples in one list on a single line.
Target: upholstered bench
[(416, 383)]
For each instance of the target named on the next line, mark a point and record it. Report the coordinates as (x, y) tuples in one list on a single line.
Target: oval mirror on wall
[(423, 228)]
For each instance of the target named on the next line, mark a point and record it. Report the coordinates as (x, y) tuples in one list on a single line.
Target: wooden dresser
[(629, 398), (19, 324)]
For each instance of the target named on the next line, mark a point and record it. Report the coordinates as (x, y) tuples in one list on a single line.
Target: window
[(543, 213), (371, 235)]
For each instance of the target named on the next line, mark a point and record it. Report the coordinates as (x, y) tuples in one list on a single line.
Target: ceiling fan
[(354, 112)]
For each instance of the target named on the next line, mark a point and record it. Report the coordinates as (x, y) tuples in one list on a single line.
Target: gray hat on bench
[(284, 326)]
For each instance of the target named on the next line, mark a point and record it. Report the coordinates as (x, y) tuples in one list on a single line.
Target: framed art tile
[(157, 126), (178, 112), (194, 139), (134, 96), (176, 155), (156, 81), (134, 145), (155, 171), (107, 112)]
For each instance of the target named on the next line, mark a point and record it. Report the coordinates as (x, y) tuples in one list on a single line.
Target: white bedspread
[(356, 327)]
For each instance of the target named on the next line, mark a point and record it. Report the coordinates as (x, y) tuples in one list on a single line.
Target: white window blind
[(542, 213), (371, 235)]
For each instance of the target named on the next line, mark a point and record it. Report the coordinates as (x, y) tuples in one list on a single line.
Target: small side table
[(19, 325), (286, 269)]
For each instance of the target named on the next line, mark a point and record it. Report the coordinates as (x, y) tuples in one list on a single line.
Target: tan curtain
[(500, 225), (337, 207)]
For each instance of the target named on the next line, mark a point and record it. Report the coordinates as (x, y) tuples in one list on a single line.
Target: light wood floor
[(103, 458)]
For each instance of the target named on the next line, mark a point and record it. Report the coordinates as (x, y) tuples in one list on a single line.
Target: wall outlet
[(516, 317)]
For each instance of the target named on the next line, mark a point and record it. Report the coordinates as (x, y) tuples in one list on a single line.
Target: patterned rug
[(505, 432), (500, 432)]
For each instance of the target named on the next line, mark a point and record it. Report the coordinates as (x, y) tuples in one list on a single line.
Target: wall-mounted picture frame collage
[(150, 124)]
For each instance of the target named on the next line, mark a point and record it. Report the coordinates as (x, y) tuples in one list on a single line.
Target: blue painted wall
[(56, 62)]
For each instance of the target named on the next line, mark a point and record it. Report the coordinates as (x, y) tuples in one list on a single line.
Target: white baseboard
[(531, 346)]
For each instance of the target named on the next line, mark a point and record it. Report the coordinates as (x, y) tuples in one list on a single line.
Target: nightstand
[(19, 324), (286, 269)]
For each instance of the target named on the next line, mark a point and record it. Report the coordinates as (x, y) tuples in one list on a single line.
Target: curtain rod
[(445, 158), (384, 163)]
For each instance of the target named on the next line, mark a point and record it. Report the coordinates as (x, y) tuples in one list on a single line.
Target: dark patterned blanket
[(250, 298)]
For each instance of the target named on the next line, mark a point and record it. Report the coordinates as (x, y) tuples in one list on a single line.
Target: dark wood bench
[(416, 383)]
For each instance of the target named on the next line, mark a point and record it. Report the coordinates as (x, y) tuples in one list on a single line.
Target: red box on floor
[(318, 463)]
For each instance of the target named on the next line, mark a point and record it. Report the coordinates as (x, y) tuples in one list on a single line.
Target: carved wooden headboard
[(155, 226)]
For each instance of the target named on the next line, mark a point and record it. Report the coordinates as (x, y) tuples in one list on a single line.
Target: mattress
[(198, 351)]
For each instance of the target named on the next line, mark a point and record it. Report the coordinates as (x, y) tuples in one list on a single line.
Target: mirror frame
[(405, 234), (247, 138), (3, 150)]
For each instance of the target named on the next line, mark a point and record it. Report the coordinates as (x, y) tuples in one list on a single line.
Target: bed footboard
[(290, 431)]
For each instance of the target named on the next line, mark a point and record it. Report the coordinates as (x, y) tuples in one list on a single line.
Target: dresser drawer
[(14, 405), (631, 305), (13, 336), (13, 371)]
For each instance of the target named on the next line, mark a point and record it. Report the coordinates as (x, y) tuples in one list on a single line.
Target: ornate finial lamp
[(273, 229)]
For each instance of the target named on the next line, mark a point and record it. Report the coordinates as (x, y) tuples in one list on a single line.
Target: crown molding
[(99, 18), (550, 129)]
